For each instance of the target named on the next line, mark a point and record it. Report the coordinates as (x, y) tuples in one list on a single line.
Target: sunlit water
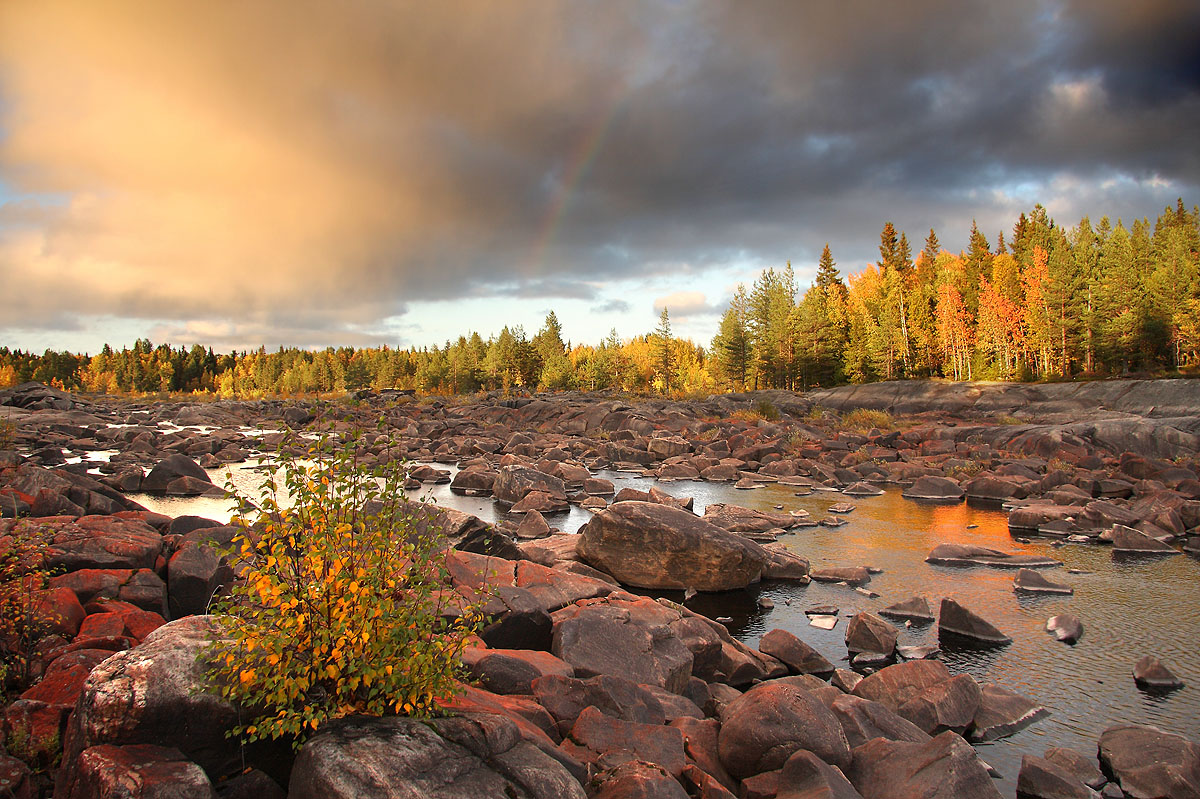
[(1129, 606)]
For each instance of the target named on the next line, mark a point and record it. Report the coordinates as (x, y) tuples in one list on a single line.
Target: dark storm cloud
[(306, 166)]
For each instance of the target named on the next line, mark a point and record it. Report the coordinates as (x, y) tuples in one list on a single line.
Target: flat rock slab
[(1003, 712), (967, 555), (945, 766), (1150, 674), (1127, 539), (1149, 763), (1032, 582), (915, 609)]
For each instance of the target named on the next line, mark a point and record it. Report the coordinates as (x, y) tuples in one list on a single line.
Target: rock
[(945, 767), (915, 610), (799, 656), (737, 519), (1065, 627), (1149, 763), (783, 564), (1150, 674), (611, 741), (853, 575), (252, 784), (862, 720), (934, 489), (653, 546), (16, 778), (968, 555), (896, 684), (822, 622), (1079, 765), (947, 705), (637, 779), (139, 771), (1043, 779), (1033, 582), (1003, 712), (700, 738), (512, 671), (194, 573), (157, 692), (806, 776), (955, 621), (474, 482), (764, 726), (566, 697), (514, 482), (55, 611), (541, 502), (630, 639), (533, 526), (169, 472), (464, 757), (869, 633), (1127, 539), (862, 490), (990, 488), (96, 542)]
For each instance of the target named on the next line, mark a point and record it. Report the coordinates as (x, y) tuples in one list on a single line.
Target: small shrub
[(1009, 420), (746, 415), (863, 419), (8, 434), (24, 570), (767, 410), (819, 413), (341, 606)]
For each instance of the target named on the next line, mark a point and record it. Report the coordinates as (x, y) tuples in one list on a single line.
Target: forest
[(1048, 303)]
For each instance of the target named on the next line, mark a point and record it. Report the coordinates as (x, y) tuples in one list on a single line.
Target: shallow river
[(1129, 606)]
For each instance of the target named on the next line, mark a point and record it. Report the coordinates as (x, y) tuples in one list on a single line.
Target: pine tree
[(662, 344)]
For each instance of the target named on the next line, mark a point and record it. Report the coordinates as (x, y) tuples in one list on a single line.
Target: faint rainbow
[(579, 163)]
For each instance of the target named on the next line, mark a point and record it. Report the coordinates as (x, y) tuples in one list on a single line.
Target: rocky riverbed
[(583, 684)]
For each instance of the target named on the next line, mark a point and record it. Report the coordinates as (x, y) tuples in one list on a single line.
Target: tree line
[(1049, 303)]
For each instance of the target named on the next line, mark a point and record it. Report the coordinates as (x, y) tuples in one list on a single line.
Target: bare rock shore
[(578, 686)]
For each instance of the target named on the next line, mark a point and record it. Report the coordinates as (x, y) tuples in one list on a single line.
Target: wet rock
[(1030, 581), (475, 756), (474, 482), (1043, 779), (945, 767), (799, 656), (1003, 712), (956, 622), (1065, 627), (1149, 763), (806, 776), (869, 633), (934, 489), (915, 609), (783, 564), (1150, 674), (763, 727), (1127, 539), (647, 545)]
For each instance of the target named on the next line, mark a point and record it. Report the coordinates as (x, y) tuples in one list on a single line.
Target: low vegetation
[(341, 606)]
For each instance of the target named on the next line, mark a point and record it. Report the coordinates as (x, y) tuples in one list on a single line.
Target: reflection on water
[(1129, 607)]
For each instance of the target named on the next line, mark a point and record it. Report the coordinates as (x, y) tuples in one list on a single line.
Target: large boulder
[(1149, 763), (647, 545), (139, 771), (895, 685), (948, 705), (153, 693), (1127, 539), (863, 720), (96, 542), (797, 655), (1003, 712), (737, 519), (806, 776), (177, 474), (763, 727), (867, 632), (945, 767), (629, 638), (453, 758), (607, 741), (1042, 779), (512, 483)]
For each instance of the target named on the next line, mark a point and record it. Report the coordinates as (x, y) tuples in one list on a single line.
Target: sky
[(369, 172)]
